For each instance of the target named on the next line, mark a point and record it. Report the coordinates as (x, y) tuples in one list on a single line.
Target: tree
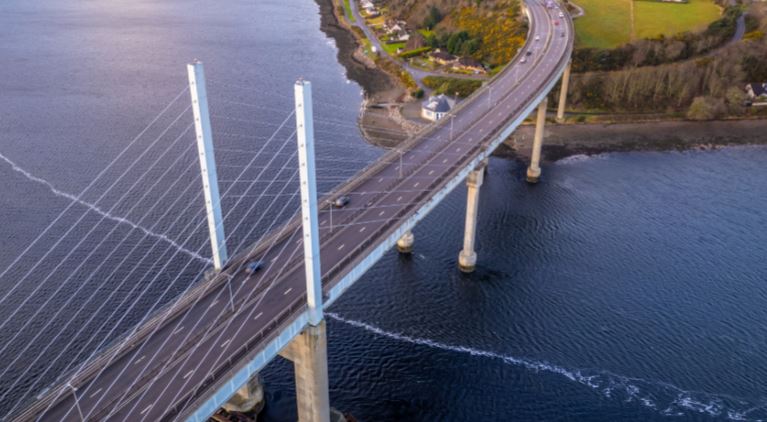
[(433, 18)]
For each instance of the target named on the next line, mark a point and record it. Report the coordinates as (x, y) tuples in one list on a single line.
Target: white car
[(537, 37), (524, 60)]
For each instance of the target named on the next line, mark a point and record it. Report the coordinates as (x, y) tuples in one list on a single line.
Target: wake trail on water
[(95, 208), (665, 398)]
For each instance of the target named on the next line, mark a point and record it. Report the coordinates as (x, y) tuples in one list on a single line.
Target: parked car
[(341, 201), (254, 266)]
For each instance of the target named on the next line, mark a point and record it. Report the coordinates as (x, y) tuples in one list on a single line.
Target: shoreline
[(562, 141), (380, 120)]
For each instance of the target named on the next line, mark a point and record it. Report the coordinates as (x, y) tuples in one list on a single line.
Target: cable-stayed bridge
[(202, 342)]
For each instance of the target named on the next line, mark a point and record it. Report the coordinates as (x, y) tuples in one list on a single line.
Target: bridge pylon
[(204, 136), (308, 351)]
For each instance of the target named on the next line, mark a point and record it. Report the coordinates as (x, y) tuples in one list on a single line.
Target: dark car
[(254, 266), (529, 53), (341, 201)]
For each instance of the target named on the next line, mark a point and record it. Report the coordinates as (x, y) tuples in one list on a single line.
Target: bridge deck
[(172, 365)]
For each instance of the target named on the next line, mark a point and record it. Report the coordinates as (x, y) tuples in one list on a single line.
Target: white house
[(435, 108), (757, 93)]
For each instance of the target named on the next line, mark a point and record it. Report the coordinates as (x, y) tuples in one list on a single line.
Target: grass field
[(392, 48), (610, 23)]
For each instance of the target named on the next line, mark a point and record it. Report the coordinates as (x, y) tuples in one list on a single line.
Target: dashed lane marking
[(363, 229), (146, 409), (287, 291), (225, 343), (188, 374), (342, 246), (139, 360), (258, 316)]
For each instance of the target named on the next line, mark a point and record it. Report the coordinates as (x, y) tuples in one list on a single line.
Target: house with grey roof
[(436, 107)]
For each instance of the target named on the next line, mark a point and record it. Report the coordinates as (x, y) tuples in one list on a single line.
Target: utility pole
[(309, 217), (204, 134)]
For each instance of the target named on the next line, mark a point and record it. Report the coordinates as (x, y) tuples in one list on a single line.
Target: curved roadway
[(174, 362)]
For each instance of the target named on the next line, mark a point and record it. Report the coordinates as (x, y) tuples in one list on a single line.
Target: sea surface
[(622, 287)]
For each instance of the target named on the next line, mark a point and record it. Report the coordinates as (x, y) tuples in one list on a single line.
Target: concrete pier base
[(405, 243), (248, 399), (309, 353), (534, 171), (563, 94), (467, 259)]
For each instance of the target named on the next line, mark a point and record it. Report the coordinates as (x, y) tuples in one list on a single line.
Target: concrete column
[(467, 259), (405, 243), (248, 399), (563, 94), (534, 171), (309, 353)]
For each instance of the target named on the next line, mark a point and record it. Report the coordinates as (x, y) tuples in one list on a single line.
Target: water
[(623, 287)]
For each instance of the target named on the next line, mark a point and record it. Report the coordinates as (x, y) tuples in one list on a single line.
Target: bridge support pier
[(249, 398), (534, 171), (309, 354), (405, 243), (563, 94), (467, 259)]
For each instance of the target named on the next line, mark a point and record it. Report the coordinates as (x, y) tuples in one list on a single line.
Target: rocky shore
[(380, 119)]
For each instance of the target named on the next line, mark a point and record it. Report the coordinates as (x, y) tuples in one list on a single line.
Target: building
[(757, 91), (470, 64), (435, 108), (442, 57)]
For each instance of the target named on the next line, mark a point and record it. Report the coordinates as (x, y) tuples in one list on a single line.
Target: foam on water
[(666, 398), (105, 214)]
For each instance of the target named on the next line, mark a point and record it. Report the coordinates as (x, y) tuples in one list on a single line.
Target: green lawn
[(608, 23), (392, 48), (653, 19)]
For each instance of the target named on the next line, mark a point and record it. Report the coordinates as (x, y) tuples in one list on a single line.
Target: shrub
[(452, 86), (706, 108), (414, 52)]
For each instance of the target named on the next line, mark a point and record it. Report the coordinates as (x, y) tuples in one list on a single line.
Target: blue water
[(622, 287)]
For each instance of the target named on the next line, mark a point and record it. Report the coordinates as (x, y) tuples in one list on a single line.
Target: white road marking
[(225, 343), (342, 246), (188, 374), (323, 222), (444, 161), (431, 172), (416, 184), (146, 409), (139, 360), (381, 213), (458, 149), (257, 316), (213, 304), (380, 180), (287, 291), (363, 229), (96, 392), (399, 198), (177, 330)]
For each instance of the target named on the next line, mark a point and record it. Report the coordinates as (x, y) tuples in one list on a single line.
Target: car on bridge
[(254, 266), (341, 201)]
